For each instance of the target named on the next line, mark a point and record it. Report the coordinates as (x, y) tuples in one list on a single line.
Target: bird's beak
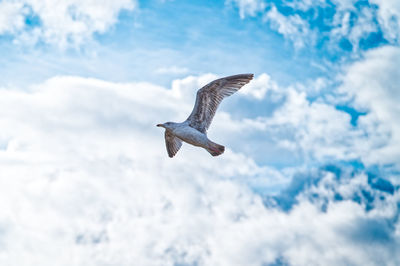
[(159, 125)]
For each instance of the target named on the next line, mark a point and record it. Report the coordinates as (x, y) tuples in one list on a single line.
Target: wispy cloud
[(174, 70), (248, 7), (359, 23), (291, 27)]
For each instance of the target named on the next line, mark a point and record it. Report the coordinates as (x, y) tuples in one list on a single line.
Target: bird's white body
[(194, 129), (189, 134)]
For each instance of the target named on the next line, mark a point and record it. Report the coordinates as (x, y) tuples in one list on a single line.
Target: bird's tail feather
[(215, 149)]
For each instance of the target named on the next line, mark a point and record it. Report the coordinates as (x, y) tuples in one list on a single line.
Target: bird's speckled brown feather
[(210, 96)]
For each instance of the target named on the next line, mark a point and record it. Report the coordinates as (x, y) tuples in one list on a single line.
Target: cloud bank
[(84, 171)]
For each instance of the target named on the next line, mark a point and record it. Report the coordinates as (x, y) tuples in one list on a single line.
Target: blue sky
[(310, 175), (182, 34)]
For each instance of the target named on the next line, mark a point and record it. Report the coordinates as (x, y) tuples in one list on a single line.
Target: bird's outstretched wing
[(209, 97), (172, 143)]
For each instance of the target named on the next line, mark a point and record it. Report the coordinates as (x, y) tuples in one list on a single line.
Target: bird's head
[(167, 125)]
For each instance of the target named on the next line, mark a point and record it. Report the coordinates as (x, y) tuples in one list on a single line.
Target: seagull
[(194, 129)]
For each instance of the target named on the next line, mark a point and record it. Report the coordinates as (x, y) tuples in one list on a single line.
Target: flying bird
[(194, 129)]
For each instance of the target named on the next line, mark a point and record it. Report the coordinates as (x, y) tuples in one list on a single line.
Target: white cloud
[(352, 24), (62, 23), (88, 173), (389, 18), (84, 170), (248, 7), (305, 5), (314, 87), (11, 18), (364, 20), (316, 131), (258, 87), (374, 84), (292, 27)]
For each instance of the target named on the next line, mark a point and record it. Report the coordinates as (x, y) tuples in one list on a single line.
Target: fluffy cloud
[(11, 19), (61, 23), (374, 84), (258, 87), (316, 129), (84, 171)]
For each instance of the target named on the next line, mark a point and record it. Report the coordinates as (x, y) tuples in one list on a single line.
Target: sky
[(311, 171)]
